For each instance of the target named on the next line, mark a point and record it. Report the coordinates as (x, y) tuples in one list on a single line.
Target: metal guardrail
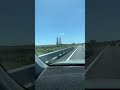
[(88, 53), (24, 75), (6, 82), (52, 56)]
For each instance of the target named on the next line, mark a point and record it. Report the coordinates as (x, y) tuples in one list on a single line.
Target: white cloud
[(61, 34)]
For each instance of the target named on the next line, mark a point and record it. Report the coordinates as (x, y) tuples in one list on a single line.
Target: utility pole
[(57, 41), (60, 41)]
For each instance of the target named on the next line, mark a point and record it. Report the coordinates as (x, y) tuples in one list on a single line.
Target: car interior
[(56, 77)]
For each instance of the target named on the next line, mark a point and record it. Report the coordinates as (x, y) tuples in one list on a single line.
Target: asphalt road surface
[(95, 53), (24, 76), (106, 65), (77, 54)]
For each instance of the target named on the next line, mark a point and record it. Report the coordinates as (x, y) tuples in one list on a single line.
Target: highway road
[(77, 55), (106, 65), (95, 53), (24, 75)]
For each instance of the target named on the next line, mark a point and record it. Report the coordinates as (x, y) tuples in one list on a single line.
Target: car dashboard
[(61, 78)]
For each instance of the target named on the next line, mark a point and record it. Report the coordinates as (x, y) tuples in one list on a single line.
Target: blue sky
[(53, 17)]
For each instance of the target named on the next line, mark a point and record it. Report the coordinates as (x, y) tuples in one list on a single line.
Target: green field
[(16, 56), (95, 45)]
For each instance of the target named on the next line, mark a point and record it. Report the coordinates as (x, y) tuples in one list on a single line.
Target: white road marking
[(28, 85), (94, 60), (60, 54), (21, 68), (47, 62), (72, 54), (54, 58)]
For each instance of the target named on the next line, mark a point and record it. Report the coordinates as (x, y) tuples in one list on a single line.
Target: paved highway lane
[(95, 53), (106, 65), (24, 75), (77, 54)]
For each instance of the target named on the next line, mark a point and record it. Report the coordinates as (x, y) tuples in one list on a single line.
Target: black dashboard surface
[(61, 78)]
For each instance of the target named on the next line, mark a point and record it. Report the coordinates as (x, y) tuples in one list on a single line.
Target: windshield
[(60, 32)]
